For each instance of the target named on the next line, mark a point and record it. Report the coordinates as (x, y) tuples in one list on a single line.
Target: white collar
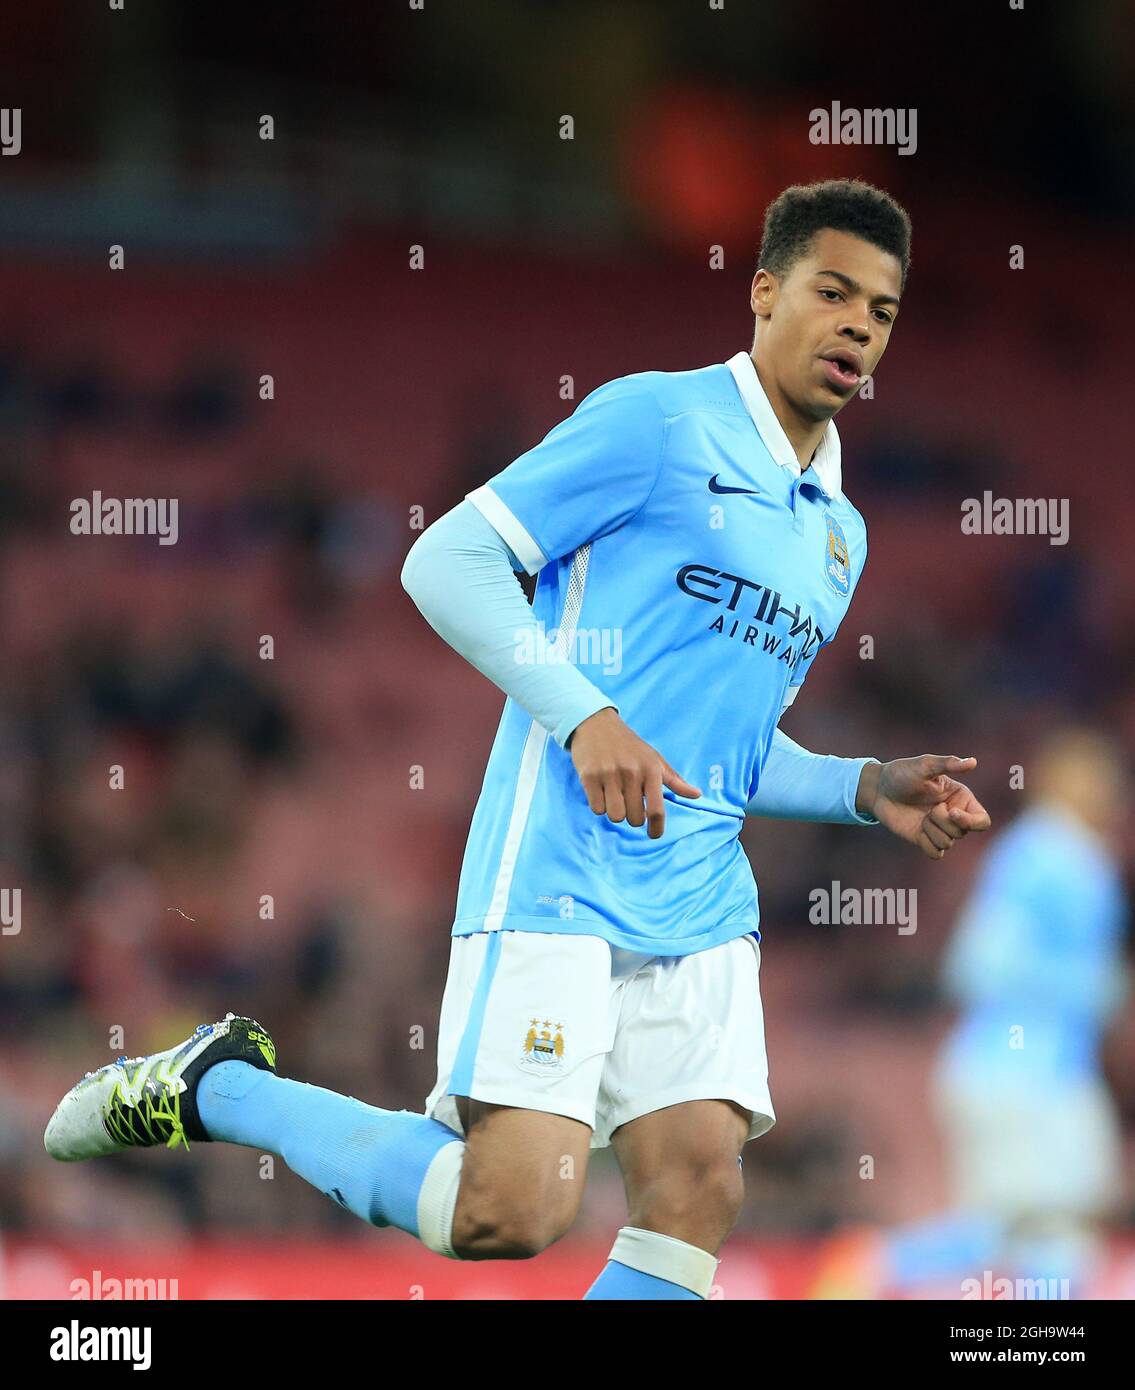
[(826, 463)]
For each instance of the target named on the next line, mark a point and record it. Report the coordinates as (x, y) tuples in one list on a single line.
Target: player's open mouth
[(842, 372)]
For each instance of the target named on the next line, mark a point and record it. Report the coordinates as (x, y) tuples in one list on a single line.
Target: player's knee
[(712, 1190), (527, 1233), (507, 1230), (513, 1220)]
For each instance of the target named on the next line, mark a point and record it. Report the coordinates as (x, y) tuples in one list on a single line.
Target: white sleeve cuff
[(508, 528), (589, 704), (856, 766)]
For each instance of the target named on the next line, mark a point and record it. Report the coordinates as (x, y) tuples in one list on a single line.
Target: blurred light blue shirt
[(1037, 955)]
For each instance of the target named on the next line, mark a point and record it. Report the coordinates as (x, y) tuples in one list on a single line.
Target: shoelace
[(121, 1117)]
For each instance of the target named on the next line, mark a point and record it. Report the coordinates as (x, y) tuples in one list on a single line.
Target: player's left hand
[(918, 800)]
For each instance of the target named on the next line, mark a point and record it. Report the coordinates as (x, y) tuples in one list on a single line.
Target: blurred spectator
[(1036, 965)]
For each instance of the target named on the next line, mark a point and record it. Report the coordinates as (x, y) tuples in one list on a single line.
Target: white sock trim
[(437, 1200), (666, 1257)]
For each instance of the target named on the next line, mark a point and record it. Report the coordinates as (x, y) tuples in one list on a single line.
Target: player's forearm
[(460, 574), (798, 785)]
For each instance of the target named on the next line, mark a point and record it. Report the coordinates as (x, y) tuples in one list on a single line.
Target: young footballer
[(695, 551)]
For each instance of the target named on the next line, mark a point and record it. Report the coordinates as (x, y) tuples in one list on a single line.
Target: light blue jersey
[(1036, 961), (691, 571)]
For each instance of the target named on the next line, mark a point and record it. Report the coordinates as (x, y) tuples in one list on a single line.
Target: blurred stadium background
[(397, 389)]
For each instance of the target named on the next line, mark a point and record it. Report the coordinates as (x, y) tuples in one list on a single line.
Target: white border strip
[(497, 514), (534, 746)]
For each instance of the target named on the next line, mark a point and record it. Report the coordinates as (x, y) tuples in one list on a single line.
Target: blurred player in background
[(603, 984), (1036, 966)]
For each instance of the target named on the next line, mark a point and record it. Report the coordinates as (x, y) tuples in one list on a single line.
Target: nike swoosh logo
[(715, 486)]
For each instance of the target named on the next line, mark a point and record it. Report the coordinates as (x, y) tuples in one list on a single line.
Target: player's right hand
[(621, 774)]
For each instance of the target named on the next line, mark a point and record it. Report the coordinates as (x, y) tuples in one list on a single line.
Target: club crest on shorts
[(836, 566), (544, 1044)]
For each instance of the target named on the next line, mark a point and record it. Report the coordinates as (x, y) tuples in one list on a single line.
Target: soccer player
[(1037, 965), (695, 551)]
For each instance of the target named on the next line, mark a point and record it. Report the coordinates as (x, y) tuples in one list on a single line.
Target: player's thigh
[(683, 1162), (686, 1084), (523, 1172)]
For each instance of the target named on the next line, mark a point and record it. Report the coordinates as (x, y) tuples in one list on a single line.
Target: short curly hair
[(844, 205)]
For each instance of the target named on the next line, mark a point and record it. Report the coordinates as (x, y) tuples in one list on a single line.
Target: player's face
[(827, 322)]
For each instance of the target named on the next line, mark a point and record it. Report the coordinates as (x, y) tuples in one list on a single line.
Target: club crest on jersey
[(836, 566), (544, 1044)]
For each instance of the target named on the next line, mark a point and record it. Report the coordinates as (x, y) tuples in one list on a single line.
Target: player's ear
[(762, 295)]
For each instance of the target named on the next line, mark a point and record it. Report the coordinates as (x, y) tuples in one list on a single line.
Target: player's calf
[(681, 1172), (518, 1192), (392, 1168), (696, 1204)]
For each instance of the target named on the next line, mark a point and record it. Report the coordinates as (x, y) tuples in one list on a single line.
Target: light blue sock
[(371, 1161), (620, 1281), (956, 1243), (1060, 1263)]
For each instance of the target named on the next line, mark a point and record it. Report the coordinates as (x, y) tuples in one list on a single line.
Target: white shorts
[(574, 1026), (1020, 1152)]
